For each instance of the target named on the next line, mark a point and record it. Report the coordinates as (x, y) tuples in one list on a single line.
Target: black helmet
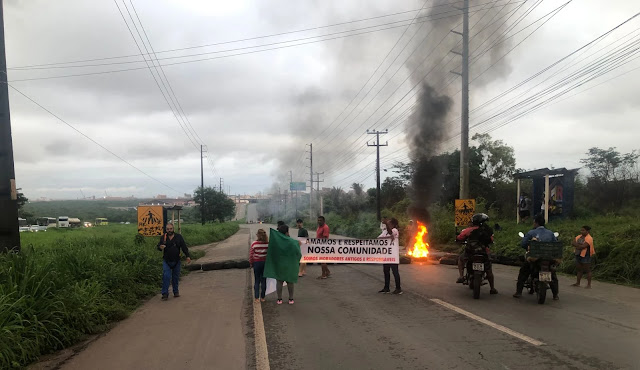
[(479, 218)]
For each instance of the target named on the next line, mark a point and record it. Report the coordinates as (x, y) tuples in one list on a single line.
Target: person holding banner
[(257, 257), (323, 233), (302, 233), (395, 241)]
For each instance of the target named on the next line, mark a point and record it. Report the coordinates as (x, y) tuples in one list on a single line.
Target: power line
[(228, 42), (490, 66), (211, 58), (195, 145), (92, 140)]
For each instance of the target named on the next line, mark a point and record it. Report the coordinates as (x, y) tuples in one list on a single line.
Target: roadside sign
[(294, 186), (150, 220), (465, 208)]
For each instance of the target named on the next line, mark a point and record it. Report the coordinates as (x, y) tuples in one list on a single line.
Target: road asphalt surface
[(343, 323)]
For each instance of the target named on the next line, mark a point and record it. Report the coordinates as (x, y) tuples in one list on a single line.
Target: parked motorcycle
[(544, 258)]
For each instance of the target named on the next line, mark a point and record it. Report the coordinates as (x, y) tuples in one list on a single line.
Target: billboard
[(295, 186)]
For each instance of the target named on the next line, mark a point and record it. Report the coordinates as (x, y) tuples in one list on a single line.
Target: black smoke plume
[(426, 131)]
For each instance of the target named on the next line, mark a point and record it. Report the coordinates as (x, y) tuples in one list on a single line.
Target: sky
[(335, 70)]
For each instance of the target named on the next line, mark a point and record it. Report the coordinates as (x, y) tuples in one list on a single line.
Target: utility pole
[(318, 181), (377, 145), (464, 119), (221, 188), (202, 182), (291, 182), (9, 229), (311, 182)]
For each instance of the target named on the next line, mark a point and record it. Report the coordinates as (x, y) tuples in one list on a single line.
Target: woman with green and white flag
[(283, 261)]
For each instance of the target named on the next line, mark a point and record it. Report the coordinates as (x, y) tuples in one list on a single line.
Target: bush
[(66, 284)]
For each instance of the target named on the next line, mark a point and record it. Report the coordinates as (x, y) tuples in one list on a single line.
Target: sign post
[(465, 208), (151, 220)]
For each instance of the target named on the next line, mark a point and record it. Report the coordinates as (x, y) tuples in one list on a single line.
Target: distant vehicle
[(87, 224), (63, 221), (36, 228), (23, 225), (127, 223), (47, 221), (101, 221), (75, 222)]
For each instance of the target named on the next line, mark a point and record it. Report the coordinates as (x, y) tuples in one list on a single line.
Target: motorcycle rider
[(479, 233), (541, 234)]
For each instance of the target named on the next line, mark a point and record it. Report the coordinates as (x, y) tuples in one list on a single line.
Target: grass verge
[(66, 284)]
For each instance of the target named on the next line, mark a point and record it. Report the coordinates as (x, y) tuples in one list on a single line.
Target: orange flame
[(420, 247)]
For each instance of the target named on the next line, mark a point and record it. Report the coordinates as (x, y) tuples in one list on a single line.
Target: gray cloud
[(256, 112)]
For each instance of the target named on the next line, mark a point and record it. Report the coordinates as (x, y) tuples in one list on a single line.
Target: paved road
[(241, 211), (252, 212), (205, 328), (343, 323)]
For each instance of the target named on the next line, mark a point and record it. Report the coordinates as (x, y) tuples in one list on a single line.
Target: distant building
[(161, 196)]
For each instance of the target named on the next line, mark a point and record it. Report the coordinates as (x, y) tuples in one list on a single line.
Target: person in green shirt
[(302, 233)]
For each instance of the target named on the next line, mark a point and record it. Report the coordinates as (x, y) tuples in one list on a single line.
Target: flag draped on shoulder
[(283, 257)]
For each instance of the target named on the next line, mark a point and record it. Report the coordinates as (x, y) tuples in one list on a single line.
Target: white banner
[(349, 251)]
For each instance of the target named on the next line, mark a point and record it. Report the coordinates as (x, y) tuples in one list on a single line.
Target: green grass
[(69, 283), (616, 238)]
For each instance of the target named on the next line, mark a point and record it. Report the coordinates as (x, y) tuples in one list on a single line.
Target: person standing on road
[(284, 229), (302, 233), (410, 231), (395, 241), (257, 256), (323, 233), (383, 223), (171, 244), (584, 251)]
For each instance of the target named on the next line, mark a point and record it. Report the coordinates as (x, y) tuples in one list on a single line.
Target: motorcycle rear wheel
[(477, 281), (542, 292)]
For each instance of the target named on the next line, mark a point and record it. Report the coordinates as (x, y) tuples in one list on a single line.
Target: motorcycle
[(544, 258), (476, 267)]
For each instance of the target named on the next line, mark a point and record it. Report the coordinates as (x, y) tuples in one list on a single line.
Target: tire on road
[(477, 281), (542, 292)]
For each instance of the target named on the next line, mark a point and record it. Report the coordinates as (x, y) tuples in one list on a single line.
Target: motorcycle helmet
[(479, 218)]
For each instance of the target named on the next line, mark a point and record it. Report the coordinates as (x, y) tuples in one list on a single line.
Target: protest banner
[(349, 251)]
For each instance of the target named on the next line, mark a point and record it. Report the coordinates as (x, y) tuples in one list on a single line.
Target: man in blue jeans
[(171, 244)]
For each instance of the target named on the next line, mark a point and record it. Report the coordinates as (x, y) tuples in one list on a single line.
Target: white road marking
[(503, 329), (262, 355)]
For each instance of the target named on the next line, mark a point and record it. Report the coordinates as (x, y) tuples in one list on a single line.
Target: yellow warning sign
[(465, 208), (150, 220)]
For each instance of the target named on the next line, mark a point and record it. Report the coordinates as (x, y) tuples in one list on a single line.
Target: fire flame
[(420, 247)]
